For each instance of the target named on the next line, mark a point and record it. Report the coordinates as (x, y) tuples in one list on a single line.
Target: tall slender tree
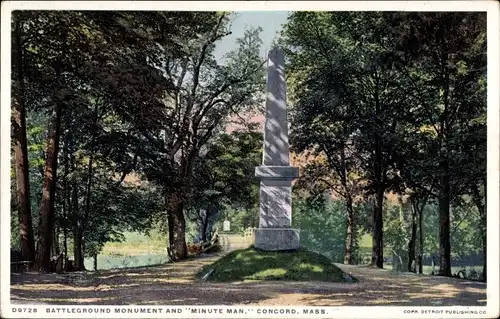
[(22, 194)]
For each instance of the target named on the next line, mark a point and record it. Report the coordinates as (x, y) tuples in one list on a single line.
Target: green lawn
[(427, 270), (114, 262), (365, 241), (254, 264), (135, 244), (365, 247), (136, 250)]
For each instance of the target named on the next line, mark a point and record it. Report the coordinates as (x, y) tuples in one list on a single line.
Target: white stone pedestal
[(274, 232), (276, 239)]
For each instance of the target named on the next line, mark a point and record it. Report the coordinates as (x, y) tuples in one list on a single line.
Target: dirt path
[(174, 284)]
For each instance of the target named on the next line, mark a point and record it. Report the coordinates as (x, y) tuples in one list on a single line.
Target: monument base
[(275, 239)]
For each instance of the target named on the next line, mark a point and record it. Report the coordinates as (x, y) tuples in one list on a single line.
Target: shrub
[(194, 249)]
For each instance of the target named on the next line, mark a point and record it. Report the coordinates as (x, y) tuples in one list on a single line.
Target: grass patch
[(130, 249), (427, 269), (255, 264), (114, 262), (365, 241), (135, 244)]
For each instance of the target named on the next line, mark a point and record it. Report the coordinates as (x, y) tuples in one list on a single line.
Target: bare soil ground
[(175, 284)]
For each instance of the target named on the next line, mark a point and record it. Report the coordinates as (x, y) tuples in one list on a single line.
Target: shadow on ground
[(175, 284)]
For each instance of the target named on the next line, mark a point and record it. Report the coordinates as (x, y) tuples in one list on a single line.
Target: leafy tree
[(322, 226), (347, 105), (443, 57), (224, 176), (41, 46), (118, 119), (203, 97), (22, 194), (64, 55), (401, 101)]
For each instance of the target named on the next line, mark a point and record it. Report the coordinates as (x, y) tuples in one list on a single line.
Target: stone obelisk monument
[(276, 174)]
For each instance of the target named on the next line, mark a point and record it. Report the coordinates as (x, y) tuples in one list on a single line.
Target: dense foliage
[(111, 112), (396, 102), (120, 122)]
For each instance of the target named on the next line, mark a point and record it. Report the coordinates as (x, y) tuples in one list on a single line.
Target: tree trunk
[(27, 240), (377, 243), (342, 170), (444, 169), (65, 245), (420, 240), (90, 171), (95, 262), (204, 227), (83, 252), (66, 203), (444, 222), (77, 232), (84, 223), (350, 232), (78, 251), (482, 212), (65, 214), (413, 240), (481, 207), (48, 190), (484, 240), (177, 249), (55, 242)]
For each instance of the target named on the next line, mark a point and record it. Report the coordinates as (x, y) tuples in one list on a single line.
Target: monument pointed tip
[(276, 53), (276, 48)]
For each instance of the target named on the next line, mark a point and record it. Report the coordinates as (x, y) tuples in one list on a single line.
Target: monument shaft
[(276, 148), (274, 232)]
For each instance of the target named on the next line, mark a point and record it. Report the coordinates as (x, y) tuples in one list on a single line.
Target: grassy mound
[(255, 264)]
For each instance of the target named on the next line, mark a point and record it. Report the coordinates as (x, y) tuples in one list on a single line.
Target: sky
[(269, 21)]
